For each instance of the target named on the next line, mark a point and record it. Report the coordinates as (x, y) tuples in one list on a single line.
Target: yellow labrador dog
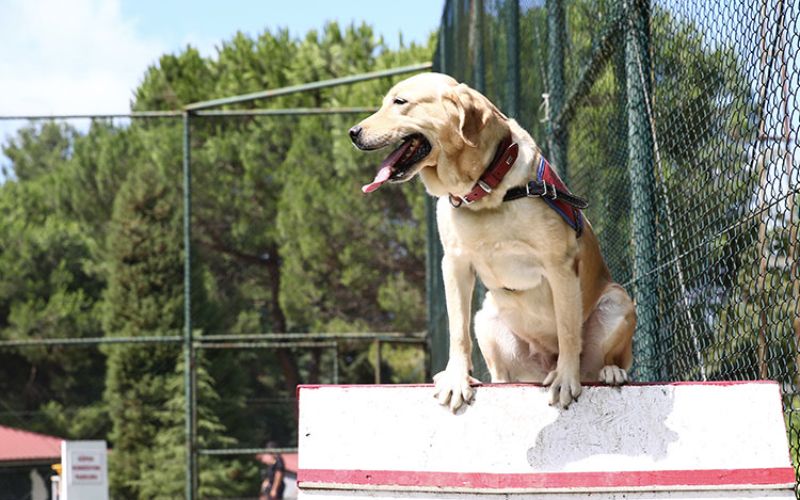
[(552, 314)]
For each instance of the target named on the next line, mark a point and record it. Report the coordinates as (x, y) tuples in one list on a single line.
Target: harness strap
[(551, 189), (544, 190), (548, 186)]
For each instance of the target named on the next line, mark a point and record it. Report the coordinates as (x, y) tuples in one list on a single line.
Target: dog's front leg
[(452, 385), (565, 381)]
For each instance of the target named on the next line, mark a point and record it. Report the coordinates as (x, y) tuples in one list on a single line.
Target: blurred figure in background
[(272, 484)]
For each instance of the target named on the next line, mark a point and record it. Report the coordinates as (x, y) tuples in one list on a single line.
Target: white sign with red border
[(84, 470)]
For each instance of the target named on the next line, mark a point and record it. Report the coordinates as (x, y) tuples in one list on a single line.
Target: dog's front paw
[(565, 387), (453, 389), (612, 375)]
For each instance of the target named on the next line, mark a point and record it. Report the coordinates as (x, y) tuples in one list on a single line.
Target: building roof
[(19, 446)]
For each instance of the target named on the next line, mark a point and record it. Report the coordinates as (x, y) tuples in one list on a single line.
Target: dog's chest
[(507, 265), (503, 255)]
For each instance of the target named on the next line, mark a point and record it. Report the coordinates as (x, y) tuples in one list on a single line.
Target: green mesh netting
[(678, 120)]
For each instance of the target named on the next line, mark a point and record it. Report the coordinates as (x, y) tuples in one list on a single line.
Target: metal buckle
[(543, 194), (546, 193), (484, 186)]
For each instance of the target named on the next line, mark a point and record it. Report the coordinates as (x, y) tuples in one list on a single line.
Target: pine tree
[(164, 470), (144, 297)]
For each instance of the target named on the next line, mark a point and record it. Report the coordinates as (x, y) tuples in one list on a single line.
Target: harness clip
[(457, 201)]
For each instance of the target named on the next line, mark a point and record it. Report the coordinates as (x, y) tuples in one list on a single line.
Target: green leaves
[(283, 241), (143, 297)]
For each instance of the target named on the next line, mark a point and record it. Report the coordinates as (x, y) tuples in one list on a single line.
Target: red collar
[(503, 161)]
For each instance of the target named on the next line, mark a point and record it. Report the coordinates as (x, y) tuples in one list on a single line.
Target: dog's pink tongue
[(386, 168), (383, 176)]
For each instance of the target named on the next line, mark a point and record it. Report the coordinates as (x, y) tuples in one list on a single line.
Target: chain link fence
[(678, 120)]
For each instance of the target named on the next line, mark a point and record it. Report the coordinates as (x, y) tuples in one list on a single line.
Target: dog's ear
[(474, 112)]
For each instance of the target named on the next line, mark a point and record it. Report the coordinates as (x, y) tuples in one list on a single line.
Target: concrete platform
[(681, 440)]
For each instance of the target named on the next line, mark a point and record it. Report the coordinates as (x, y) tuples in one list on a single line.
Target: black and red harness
[(548, 186)]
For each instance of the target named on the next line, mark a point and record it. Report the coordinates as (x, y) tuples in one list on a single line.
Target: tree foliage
[(91, 246)]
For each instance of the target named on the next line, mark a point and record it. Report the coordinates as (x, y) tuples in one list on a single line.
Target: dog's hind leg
[(608, 335), (508, 357), (494, 341)]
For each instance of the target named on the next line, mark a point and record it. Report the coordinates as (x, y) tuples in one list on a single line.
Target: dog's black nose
[(355, 132)]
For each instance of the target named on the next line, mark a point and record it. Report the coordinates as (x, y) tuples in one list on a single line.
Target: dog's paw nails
[(563, 389), (612, 375), (453, 389), (455, 402), (443, 397)]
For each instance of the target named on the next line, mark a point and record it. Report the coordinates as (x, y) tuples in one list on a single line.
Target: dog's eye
[(400, 100)]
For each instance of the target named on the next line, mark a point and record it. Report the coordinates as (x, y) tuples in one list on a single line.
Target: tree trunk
[(288, 363)]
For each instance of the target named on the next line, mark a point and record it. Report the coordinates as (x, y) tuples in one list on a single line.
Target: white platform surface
[(691, 440)]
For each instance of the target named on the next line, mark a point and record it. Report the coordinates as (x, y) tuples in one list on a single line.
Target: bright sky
[(87, 56)]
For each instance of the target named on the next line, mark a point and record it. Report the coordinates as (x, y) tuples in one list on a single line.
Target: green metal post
[(91, 341), (321, 84), (476, 41), (512, 91), (188, 348), (440, 58), (556, 38), (335, 362), (457, 71), (437, 312), (286, 112), (378, 360), (478, 82), (434, 289), (642, 178)]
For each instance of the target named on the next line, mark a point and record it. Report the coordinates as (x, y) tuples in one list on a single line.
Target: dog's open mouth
[(395, 166)]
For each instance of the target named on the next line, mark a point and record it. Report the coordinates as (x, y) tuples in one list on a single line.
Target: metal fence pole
[(556, 39), (789, 169), (478, 82), (476, 41), (512, 91), (642, 179), (437, 314), (188, 349), (434, 289), (335, 350), (320, 84), (378, 361)]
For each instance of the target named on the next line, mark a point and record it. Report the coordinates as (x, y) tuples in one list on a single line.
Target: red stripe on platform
[(783, 476)]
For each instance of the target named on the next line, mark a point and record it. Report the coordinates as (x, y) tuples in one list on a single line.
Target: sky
[(87, 56)]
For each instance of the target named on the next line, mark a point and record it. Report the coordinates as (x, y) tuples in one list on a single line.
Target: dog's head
[(443, 130)]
